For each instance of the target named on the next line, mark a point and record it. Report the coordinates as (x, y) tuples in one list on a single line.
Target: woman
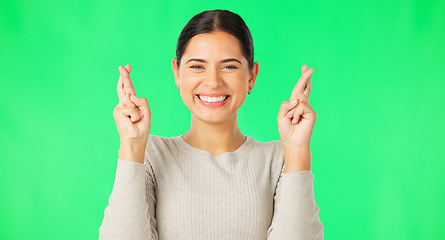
[(213, 182)]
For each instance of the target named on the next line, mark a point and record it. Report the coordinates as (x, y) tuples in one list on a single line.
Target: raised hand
[(132, 114), (296, 118)]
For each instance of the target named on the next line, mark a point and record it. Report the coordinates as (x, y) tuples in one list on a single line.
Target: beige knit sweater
[(182, 192)]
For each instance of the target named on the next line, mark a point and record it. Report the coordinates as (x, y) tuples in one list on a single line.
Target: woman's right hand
[(132, 114)]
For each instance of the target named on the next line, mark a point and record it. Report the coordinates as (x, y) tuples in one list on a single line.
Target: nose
[(213, 78)]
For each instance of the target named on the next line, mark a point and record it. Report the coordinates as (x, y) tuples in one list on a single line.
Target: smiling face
[(214, 76)]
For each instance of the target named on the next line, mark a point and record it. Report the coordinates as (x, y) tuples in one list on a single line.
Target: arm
[(130, 213), (295, 212), (132, 203)]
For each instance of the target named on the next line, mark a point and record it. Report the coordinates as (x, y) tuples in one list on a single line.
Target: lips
[(212, 100), (212, 97)]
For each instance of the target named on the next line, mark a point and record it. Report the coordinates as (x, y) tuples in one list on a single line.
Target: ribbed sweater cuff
[(128, 172), (297, 207), (126, 214), (296, 189)]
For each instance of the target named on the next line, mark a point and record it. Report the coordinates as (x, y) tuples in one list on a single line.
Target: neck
[(216, 138)]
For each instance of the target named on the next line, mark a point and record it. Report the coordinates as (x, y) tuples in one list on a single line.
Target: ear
[(253, 74), (175, 71)]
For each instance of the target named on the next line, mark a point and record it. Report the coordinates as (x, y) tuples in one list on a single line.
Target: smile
[(210, 101)]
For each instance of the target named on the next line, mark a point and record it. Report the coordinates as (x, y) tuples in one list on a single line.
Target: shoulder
[(272, 153), (271, 156), (158, 140), (159, 144), (159, 148), (270, 148)]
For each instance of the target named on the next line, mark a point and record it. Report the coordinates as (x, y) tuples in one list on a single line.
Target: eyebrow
[(222, 61)]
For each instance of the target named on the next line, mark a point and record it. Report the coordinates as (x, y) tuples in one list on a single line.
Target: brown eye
[(231, 67), (196, 67)]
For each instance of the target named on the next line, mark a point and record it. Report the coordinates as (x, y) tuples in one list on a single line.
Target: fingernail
[(294, 101)]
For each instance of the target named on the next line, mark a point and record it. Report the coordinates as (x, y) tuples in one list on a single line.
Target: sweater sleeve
[(295, 212), (130, 213)]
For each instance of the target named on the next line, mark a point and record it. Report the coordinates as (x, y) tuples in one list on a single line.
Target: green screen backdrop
[(378, 151)]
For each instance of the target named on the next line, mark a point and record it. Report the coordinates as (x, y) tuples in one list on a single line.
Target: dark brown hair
[(217, 20)]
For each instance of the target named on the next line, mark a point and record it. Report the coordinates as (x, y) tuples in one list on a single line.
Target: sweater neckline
[(241, 150)]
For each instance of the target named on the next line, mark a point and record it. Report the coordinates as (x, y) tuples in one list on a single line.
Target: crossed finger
[(125, 74), (125, 87), (303, 85), (120, 86), (307, 91)]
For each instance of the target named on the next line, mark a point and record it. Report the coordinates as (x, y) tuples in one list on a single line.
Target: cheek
[(189, 80), (240, 81)]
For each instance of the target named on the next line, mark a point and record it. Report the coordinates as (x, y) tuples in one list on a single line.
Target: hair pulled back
[(217, 20)]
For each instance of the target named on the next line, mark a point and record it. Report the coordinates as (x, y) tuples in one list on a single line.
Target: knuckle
[(116, 111), (299, 107)]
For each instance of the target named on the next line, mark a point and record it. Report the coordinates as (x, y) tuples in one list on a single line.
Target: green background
[(378, 142)]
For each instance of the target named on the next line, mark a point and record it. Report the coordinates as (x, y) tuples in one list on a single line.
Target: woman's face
[(214, 76)]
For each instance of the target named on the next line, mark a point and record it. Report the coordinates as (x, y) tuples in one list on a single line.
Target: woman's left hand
[(296, 118)]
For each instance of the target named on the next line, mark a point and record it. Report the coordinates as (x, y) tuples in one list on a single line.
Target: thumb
[(141, 103), (287, 106)]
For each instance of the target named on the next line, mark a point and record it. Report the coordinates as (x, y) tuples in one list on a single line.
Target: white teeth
[(212, 99)]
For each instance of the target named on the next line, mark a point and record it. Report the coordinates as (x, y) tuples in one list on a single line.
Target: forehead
[(213, 46)]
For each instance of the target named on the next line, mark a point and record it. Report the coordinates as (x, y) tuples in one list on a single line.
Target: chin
[(212, 118)]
